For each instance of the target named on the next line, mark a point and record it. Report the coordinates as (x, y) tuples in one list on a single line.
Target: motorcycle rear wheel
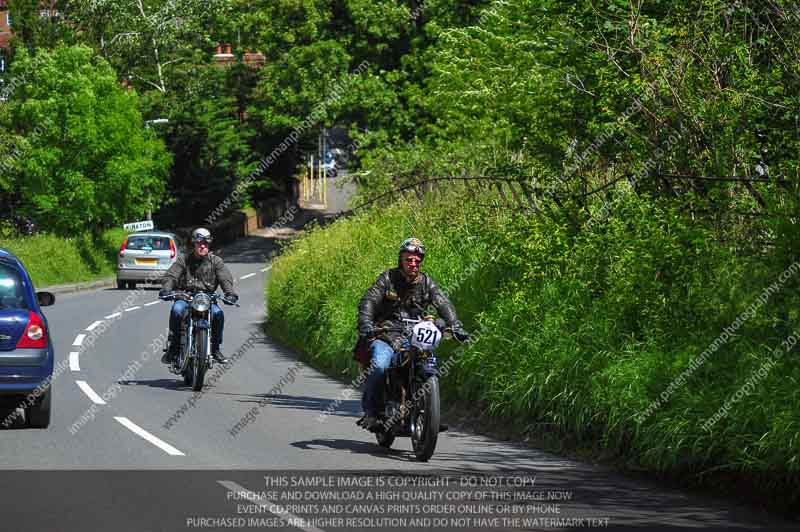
[(426, 418)]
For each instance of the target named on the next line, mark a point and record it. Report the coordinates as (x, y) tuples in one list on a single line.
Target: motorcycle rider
[(402, 292), (200, 271)]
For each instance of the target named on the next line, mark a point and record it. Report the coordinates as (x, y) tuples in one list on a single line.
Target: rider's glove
[(367, 332), (233, 298), (460, 334)]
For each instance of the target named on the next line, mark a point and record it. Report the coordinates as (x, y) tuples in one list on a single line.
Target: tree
[(84, 158), (143, 39), (37, 27), (209, 142)]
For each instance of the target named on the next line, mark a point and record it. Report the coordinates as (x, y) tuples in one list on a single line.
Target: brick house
[(47, 8), (5, 26)]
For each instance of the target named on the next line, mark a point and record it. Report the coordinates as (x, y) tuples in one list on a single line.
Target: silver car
[(146, 257)]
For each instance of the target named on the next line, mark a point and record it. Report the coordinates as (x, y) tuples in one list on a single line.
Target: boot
[(217, 355), (171, 351)]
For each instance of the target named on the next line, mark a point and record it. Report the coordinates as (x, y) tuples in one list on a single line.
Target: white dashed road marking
[(96, 399), (132, 309), (243, 277), (115, 315), (93, 325), (152, 303), (73, 361), (79, 340), (264, 504), (136, 429), (267, 268)]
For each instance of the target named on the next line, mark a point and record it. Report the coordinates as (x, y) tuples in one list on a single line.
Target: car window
[(12, 293), (143, 241)]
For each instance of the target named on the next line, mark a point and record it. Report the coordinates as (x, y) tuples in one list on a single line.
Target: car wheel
[(39, 413), (120, 284), (131, 285)]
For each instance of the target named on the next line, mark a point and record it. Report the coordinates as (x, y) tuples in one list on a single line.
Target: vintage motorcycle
[(411, 388), (194, 354)]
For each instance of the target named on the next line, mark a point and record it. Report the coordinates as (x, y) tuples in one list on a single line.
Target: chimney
[(254, 59), (223, 55)]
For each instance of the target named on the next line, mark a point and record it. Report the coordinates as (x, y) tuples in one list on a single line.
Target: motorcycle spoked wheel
[(200, 359), (425, 421), (183, 354), (385, 437), (187, 375)]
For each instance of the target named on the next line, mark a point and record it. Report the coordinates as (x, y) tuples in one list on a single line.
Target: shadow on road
[(349, 408), (266, 242), (354, 447), (579, 491), (165, 384)]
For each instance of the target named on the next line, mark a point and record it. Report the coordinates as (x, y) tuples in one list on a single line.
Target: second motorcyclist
[(199, 271)]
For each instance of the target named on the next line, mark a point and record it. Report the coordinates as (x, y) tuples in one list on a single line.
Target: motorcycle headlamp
[(201, 302)]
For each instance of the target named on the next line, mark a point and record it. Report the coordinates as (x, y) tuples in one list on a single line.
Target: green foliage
[(33, 30), (53, 260), (79, 156), (580, 331), (145, 39), (210, 145)]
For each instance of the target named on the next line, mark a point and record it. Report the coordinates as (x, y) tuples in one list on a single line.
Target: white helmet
[(201, 234)]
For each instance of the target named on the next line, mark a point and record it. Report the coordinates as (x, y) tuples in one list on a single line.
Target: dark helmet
[(412, 245), (201, 234)]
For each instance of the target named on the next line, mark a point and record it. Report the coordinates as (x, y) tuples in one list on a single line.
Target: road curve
[(131, 447)]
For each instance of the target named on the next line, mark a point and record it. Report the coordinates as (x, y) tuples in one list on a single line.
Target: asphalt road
[(131, 448)]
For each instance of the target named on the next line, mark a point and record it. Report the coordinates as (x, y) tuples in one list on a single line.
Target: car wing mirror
[(45, 299)]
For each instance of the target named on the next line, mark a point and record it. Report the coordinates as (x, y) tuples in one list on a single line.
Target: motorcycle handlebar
[(187, 296)]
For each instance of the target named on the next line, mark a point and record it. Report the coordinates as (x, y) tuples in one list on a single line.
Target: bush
[(53, 260), (591, 331)]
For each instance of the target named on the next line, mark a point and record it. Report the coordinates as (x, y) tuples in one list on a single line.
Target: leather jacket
[(192, 273), (392, 298)]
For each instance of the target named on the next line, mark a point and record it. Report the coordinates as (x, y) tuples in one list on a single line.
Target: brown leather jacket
[(191, 273), (392, 298)]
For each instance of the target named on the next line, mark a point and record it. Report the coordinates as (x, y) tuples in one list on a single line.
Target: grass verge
[(52, 260), (626, 337)]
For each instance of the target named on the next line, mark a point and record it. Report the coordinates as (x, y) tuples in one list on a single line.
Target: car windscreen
[(12, 293), (144, 241)]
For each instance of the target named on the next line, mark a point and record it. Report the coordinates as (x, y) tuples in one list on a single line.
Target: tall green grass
[(53, 260), (582, 330)]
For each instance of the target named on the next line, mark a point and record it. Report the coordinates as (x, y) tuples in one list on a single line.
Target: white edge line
[(267, 268), (136, 429), (91, 327), (96, 399), (132, 308), (79, 340), (281, 511), (152, 303), (115, 315), (249, 275), (74, 365)]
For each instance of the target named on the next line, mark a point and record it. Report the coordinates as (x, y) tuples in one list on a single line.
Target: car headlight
[(201, 302)]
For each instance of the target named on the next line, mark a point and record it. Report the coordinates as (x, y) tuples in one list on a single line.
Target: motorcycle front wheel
[(187, 373), (200, 359), (425, 421)]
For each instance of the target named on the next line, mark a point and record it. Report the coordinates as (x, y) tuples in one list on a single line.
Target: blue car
[(26, 349)]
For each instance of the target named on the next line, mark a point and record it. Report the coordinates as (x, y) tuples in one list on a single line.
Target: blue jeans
[(382, 355), (178, 314)]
